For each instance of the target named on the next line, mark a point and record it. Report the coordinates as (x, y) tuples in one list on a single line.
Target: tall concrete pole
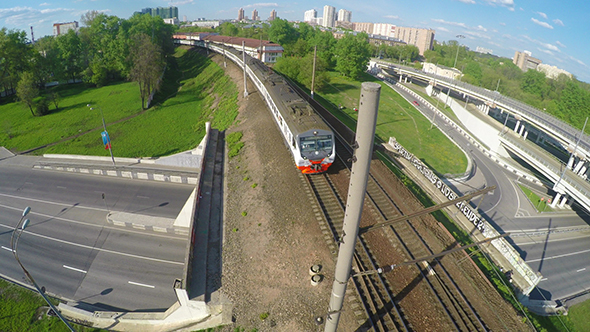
[(244, 64), (365, 134), (315, 50)]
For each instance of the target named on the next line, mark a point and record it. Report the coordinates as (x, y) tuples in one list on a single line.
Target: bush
[(42, 107)]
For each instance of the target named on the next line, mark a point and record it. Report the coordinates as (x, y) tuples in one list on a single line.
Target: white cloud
[(543, 15), (264, 4), (457, 24), (442, 29), (181, 2), (558, 22), (477, 35), (502, 3), (546, 51), (462, 25), (547, 46), (502, 24), (541, 23), (393, 17), (560, 44), (467, 1), (44, 4)]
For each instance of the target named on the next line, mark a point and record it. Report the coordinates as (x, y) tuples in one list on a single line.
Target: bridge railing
[(565, 130)]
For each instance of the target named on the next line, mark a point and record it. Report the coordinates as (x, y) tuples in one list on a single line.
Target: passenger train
[(309, 138)]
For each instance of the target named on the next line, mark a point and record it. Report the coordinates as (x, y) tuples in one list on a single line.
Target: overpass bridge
[(569, 180)]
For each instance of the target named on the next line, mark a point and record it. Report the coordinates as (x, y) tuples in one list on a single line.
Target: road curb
[(136, 174)]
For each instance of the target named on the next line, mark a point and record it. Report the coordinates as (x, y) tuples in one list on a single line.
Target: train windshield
[(316, 143)]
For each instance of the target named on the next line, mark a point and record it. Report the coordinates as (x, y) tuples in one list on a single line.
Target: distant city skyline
[(555, 32)]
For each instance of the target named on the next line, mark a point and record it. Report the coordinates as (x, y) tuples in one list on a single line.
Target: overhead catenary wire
[(389, 268)]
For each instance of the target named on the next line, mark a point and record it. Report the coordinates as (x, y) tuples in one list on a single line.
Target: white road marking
[(580, 270), (60, 187), (142, 197), (86, 223), (559, 256), (543, 279), (74, 269), (142, 285), (101, 249), (53, 203), (3, 247)]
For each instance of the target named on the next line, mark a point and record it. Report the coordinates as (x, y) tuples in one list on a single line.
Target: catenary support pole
[(244, 64), (315, 50), (368, 106)]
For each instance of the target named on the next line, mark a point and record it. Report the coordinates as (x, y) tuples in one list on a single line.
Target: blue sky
[(556, 32)]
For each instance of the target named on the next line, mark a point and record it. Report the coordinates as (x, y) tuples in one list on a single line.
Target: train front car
[(316, 151)]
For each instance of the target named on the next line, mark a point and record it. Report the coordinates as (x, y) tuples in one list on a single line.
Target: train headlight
[(317, 152)]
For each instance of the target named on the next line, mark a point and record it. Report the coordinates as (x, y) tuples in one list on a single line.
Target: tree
[(71, 53), (26, 90), (282, 33), (533, 82), (147, 66), (228, 29), (15, 55), (352, 54)]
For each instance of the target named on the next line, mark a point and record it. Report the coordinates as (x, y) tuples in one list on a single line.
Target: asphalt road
[(562, 256), (69, 247)]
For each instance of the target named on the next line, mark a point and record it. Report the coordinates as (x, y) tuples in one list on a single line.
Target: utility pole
[(315, 49), (368, 106)]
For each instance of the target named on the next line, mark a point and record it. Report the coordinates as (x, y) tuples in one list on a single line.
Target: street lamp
[(456, 56), (18, 231), (104, 126)]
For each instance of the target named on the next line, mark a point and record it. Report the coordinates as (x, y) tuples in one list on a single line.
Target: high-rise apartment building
[(63, 28), (384, 29), (310, 16), (241, 14), (421, 38), (363, 27), (525, 61), (273, 15), (255, 16), (329, 16), (163, 12), (344, 15)]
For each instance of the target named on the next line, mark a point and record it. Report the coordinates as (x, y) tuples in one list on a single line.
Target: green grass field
[(397, 118), (18, 312), (195, 90)]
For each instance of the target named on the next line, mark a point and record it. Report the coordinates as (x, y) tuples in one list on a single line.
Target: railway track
[(377, 300), (379, 303)]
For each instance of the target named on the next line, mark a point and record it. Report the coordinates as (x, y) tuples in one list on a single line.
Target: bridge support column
[(516, 127), (555, 199), (540, 137), (521, 130), (563, 201), (406, 79), (570, 162), (526, 133), (400, 78), (579, 165), (583, 170)]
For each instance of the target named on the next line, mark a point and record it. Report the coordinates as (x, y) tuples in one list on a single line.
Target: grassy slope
[(397, 118), (194, 91), (18, 311)]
